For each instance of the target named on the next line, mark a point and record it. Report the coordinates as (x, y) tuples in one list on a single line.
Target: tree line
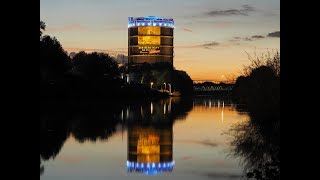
[(93, 74)]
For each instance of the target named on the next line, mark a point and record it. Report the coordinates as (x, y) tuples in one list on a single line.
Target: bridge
[(212, 86), (199, 81)]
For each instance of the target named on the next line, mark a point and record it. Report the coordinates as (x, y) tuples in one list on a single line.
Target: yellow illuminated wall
[(149, 144), (149, 30), (149, 40), (148, 148)]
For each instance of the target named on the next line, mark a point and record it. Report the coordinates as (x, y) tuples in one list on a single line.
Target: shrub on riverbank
[(259, 86)]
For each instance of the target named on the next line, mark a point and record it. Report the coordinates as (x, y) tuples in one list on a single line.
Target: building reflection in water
[(150, 138), (150, 149)]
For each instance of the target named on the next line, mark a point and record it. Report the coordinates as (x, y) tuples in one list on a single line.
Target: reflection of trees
[(92, 121), (94, 124), (58, 120), (41, 167), (181, 108), (53, 131), (51, 142), (257, 142)]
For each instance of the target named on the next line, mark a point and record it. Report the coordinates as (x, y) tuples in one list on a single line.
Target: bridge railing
[(213, 81), (212, 88)]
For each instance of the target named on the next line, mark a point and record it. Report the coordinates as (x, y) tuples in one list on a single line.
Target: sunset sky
[(211, 37)]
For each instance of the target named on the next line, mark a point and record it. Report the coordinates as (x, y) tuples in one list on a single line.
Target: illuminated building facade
[(150, 149), (150, 40)]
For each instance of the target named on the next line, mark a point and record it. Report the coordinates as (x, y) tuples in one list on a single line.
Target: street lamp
[(151, 84)]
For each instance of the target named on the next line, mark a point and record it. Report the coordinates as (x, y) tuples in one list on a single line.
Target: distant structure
[(122, 59), (150, 40)]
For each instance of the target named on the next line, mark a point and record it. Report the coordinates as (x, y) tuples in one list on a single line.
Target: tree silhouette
[(182, 82), (54, 61), (54, 66), (259, 90), (42, 27), (95, 66)]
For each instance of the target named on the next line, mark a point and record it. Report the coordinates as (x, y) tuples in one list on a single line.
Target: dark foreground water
[(173, 139)]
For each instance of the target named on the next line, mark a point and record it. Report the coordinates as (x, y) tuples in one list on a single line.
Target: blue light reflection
[(150, 168)]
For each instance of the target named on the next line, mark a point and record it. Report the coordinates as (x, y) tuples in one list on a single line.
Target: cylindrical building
[(150, 40)]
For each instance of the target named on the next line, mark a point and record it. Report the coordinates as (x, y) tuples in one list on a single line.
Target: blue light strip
[(150, 168), (150, 21)]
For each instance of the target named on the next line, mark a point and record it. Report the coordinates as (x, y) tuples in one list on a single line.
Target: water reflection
[(58, 122), (149, 126), (257, 143), (53, 134), (94, 124), (150, 135), (150, 149)]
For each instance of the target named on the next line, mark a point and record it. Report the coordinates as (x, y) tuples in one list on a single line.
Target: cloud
[(274, 34), (207, 45), (230, 12), (257, 37), (188, 30), (211, 44), (68, 28), (235, 39), (247, 8), (206, 142)]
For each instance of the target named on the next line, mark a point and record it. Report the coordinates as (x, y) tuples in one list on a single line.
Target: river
[(173, 138)]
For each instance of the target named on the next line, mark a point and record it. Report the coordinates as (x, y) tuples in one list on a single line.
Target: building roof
[(150, 21)]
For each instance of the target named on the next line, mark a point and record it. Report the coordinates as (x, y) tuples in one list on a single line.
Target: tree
[(269, 59), (182, 82), (259, 90), (42, 27), (95, 66), (54, 61)]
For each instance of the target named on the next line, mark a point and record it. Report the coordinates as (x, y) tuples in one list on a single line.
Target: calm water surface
[(172, 139)]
